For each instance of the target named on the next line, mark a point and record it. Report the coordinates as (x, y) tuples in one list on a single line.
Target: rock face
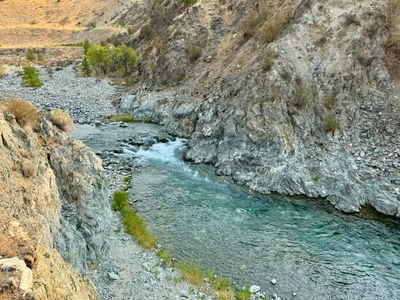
[(320, 118), (53, 202)]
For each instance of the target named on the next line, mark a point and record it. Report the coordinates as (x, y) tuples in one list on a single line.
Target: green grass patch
[(121, 118), (127, 180), (243, 294), (73, 45), (133, 223), (193, 274), (164, 255)]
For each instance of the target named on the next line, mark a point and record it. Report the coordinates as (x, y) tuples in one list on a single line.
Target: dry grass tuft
[(25, 113), (274, 27), (267, 59), (392, 41), (3, 71), (61, 119)]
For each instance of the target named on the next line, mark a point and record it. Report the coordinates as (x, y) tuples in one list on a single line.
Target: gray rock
[(113, 276)]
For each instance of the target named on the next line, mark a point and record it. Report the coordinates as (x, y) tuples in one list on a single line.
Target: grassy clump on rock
[(133, 223), (25, 113), (61, 119)]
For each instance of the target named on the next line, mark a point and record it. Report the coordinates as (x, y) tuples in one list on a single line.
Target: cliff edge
[(54, 211)]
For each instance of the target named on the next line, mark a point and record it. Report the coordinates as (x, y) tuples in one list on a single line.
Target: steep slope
[(292, 97), (53, 202)]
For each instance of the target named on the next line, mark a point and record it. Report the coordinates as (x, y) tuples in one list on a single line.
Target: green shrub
[(40, 57), (99, 58), (31, 77), (30, 55), (86, 46), (104, 59), (133, 223), (85, 68)]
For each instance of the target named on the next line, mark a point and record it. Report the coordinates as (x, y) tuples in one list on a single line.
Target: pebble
[(254, 289), (113, 276), (273, 281)]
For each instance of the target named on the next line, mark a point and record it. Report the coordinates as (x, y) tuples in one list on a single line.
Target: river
[(306, 245)]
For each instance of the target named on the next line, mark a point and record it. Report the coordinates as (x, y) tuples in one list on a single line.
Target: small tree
[(98, 57), (124, 59), (85, 67), (187, 3), (31, 77), (86, 46)]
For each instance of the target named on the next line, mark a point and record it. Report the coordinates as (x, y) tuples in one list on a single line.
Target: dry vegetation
[(24, 112), (392, 41), (268, 24), (2, 71), (61, 119)]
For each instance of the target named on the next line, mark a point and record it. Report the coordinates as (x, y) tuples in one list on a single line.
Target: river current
[(306, 245)]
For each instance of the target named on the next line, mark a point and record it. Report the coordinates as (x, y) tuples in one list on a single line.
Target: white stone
[(254, 289)]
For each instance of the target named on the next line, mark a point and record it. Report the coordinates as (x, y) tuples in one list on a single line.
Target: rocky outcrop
[(319, 118), (54, 212)]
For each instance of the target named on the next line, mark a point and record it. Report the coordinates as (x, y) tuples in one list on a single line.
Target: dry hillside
[(50, 23)]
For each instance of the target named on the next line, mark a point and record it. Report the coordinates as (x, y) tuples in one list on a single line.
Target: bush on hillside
[(31, 77), (25, 113), (61, 119), (105, 59)]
